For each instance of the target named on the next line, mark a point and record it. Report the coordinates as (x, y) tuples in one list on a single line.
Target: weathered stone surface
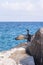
[(7, 61), (27, 61), (36, 48), (16, 56), (22, 58)]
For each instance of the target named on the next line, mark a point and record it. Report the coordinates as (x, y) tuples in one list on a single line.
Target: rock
[(36, 48), (21, 57), (27, 61), (7, 61), (16, 56), (20, 37)]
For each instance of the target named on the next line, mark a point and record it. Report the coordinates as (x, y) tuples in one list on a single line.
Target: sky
[(21, 10)]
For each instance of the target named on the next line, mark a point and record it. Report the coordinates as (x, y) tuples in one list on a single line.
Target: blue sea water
[(10, 30)]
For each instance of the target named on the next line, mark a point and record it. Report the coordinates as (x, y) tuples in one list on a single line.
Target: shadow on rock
[(36, 48)]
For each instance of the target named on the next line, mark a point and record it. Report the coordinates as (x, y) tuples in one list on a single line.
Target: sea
[(10, 30)]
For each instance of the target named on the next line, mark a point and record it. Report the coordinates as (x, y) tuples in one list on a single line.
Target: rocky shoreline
[(25, 54), (16, 56)]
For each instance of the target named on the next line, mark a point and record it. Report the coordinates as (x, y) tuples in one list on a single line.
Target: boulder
[(21, 57), (16, 56), (20, 37), (36, 48)]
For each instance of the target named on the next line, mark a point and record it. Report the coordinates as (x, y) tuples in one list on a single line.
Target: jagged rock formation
[(36, 48)]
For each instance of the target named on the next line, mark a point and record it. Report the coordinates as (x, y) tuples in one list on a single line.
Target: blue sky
[(21, 10)]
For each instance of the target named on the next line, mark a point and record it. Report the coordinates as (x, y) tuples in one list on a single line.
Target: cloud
[(28, 5), (41, 4), (21, 10), (18, 6)]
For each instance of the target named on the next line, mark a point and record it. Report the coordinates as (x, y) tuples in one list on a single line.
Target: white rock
[(7, 61), (20, 49)]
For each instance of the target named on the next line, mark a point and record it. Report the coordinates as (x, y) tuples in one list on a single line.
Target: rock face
[(22, 58), (27, 61), (16, 56), (36, 48)]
